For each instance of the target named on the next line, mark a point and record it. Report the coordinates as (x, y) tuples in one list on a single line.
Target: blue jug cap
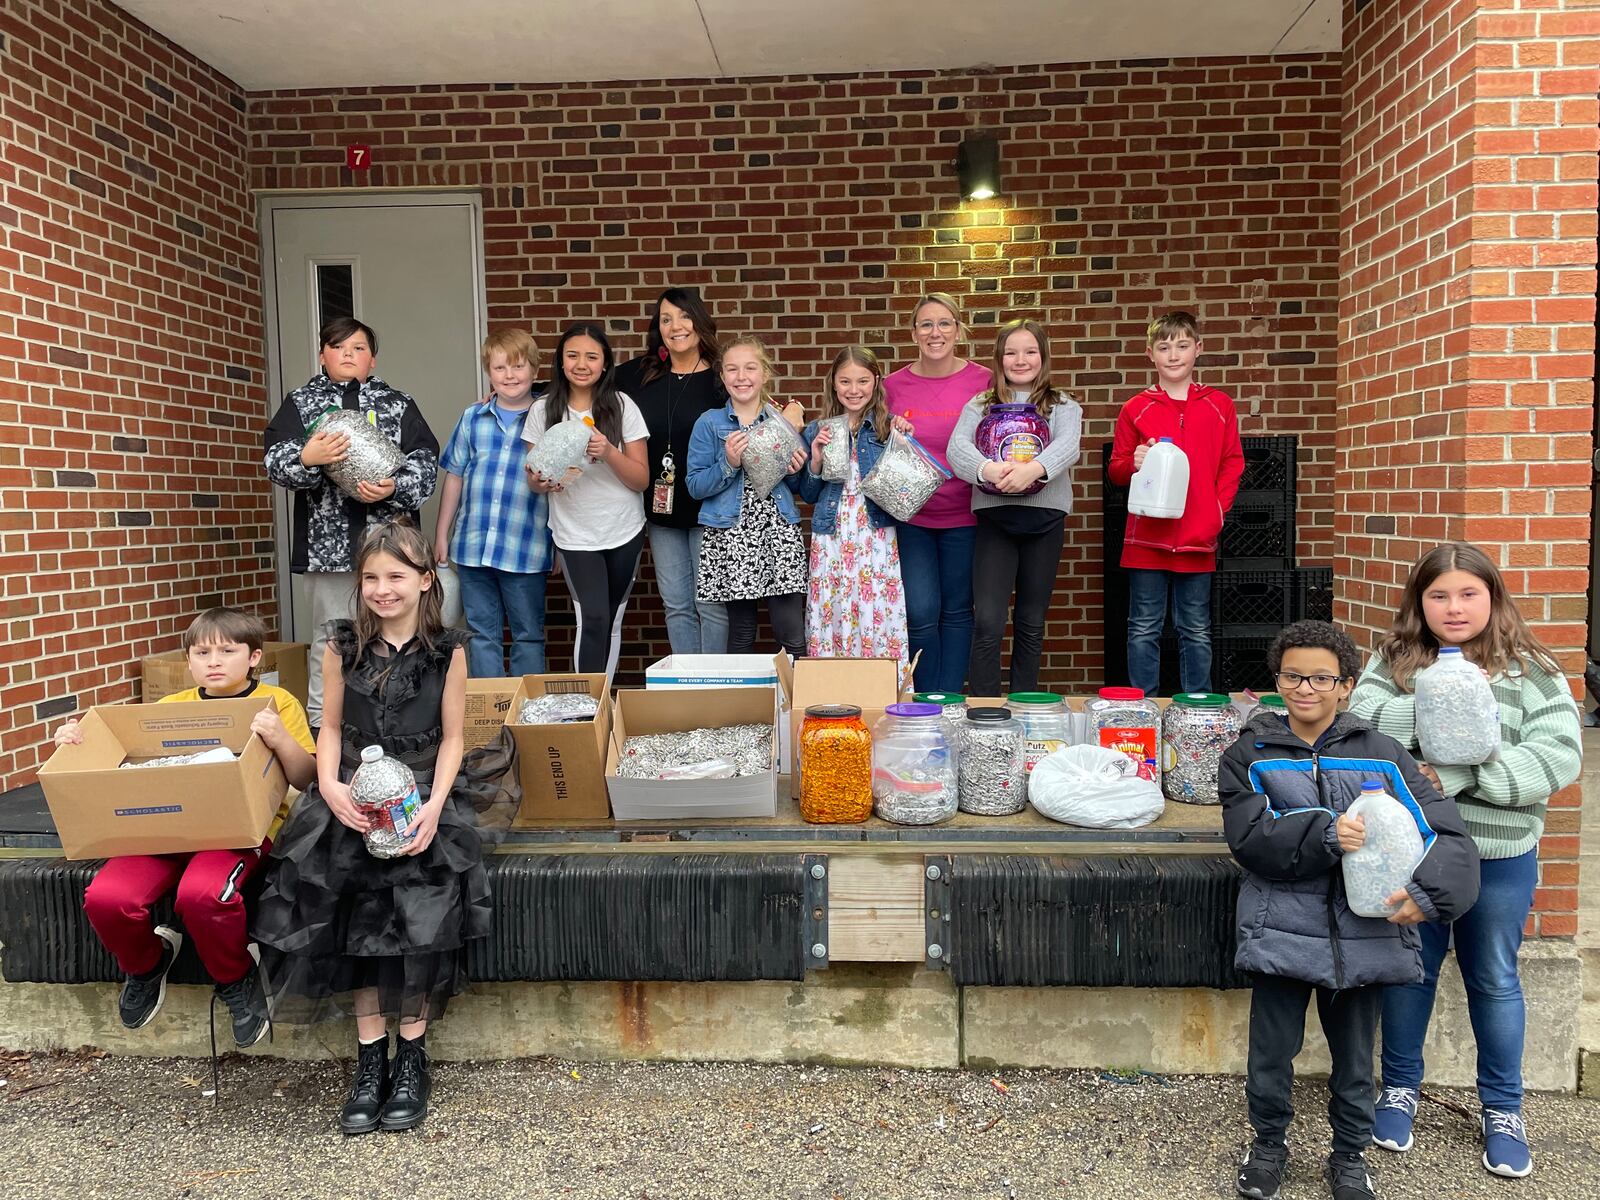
[(1167, 440)]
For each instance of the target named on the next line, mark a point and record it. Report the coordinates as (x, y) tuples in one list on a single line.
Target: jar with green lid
[(1195, 730), (954, 706), (1046, 724), (1274, 701)]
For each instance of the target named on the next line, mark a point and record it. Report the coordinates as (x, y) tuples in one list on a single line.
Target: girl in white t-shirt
[(597, 518)]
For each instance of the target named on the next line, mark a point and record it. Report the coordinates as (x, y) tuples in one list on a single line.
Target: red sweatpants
[(210, 904)]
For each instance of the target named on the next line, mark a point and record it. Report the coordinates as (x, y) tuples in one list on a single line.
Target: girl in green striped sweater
[(1456, 597)]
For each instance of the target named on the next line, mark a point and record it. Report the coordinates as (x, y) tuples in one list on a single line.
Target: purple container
[(1012, 433)]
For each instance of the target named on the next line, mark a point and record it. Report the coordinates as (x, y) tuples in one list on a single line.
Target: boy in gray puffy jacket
[(1285, 786)]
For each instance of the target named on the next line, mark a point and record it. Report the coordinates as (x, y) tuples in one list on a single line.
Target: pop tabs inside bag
[(905, 478), (372, 458), (772, 444), (836, 454), (562, 451)]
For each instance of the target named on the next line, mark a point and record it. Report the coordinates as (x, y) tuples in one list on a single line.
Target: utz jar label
[(1020, 447), (403, 811), (1141, 745), (1036, 750)]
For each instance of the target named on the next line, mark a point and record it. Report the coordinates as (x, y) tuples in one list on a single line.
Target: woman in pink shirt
[(936, 545)]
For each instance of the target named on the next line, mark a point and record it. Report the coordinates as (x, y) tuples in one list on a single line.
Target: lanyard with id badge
[(661, 493)]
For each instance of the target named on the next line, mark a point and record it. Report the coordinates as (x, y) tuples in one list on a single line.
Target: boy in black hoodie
[(1285, 786)]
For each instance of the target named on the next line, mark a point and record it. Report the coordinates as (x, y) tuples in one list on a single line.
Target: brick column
[(1466, 319)]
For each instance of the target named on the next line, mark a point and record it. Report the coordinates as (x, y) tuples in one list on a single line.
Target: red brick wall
[(813, 211), (131, 375), (1466, 320)]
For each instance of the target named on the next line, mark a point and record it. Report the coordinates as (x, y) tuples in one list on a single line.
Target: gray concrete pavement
[(79, 1126)]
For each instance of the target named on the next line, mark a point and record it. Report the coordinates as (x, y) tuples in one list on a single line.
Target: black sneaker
[(407, 1104), (1262, 1172), (1348, 1179), (143, 995), (247, 1003)]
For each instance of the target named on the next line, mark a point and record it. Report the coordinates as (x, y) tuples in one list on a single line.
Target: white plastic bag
[(1095, 787), (1458, 718), (449, 585)]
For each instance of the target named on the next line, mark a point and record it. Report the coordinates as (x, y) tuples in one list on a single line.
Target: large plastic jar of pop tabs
[(1012, 433), (913, 767), (954, 707), (1121, 718), (1195, 730), (994, 777), (835, 766), (1046, 724)]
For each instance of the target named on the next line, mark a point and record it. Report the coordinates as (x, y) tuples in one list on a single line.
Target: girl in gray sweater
[(1020, 530)]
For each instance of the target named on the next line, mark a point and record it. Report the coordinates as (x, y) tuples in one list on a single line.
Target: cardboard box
[(282, 664), (101, 811), (488, 701), (872, 684), (660, 711), (719, 670), (562, 767)]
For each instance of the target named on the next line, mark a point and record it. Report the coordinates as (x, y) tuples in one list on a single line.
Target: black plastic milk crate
[(1314, 601), (1258, 533), (1269, 464), (1264, 599), (1240, 662)]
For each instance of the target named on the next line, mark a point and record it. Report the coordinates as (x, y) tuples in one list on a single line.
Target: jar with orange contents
[(835, 766)]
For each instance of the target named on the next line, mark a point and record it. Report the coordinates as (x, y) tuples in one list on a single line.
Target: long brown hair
[(1410, 645), (1044, 396), (401, 540), (656, 360), (877, 409), (606, 405)]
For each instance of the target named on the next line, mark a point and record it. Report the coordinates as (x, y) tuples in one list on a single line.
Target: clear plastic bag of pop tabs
[(836, 453), (562, 451), (372, 457), (562, 708), (905, 478), (767, 454)]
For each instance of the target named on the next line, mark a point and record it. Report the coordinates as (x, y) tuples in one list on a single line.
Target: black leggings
[(1002, 560), (600, 581), (787, 614)]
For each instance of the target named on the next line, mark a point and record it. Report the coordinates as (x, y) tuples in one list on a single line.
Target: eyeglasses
[(943, 326), (1288, 681)]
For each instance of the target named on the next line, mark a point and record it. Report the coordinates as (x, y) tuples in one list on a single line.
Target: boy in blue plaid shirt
[(501, 549)]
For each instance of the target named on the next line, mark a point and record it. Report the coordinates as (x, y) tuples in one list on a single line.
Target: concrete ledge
[(858, 1014), (1206, 1032)]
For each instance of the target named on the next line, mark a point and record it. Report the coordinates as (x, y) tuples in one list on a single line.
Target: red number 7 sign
[(358, 157)]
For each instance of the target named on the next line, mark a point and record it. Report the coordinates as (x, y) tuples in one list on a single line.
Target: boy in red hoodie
[(1176, 555)]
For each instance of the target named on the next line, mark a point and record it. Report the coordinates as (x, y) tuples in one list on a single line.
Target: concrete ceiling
[(266, 45)]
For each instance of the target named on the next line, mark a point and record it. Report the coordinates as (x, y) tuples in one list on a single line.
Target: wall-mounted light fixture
[(978, 167)]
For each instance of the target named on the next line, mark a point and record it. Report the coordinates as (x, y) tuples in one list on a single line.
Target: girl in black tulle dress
[(384, 938)]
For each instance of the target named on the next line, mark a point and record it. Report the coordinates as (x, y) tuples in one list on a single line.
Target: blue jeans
[(488, 598), (693, 626), (1191, 614), (936, 576), (1487, 938)]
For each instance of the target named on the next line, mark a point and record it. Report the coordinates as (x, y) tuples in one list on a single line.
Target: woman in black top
[(675, 381)]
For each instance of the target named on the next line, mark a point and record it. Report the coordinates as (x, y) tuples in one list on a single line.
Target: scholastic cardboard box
[(872, 684), (102, 809), (282, 664), (664, 711), (561, 767), (488, 701)]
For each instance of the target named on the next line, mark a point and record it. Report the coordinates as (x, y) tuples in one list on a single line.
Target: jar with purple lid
[(1012, 432)]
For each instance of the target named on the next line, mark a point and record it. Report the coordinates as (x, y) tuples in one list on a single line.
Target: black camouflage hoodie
[(328, 525)]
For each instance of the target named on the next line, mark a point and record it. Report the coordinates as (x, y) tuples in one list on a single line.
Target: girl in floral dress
[(856, 607)]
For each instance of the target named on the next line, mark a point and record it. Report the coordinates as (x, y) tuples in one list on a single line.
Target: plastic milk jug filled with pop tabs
[(1160, 488), (1458, 718), (384, 790), (1388, 855)]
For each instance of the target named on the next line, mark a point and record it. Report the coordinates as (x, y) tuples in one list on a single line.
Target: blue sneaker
[(1391, 1120), (1505, 1144)]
